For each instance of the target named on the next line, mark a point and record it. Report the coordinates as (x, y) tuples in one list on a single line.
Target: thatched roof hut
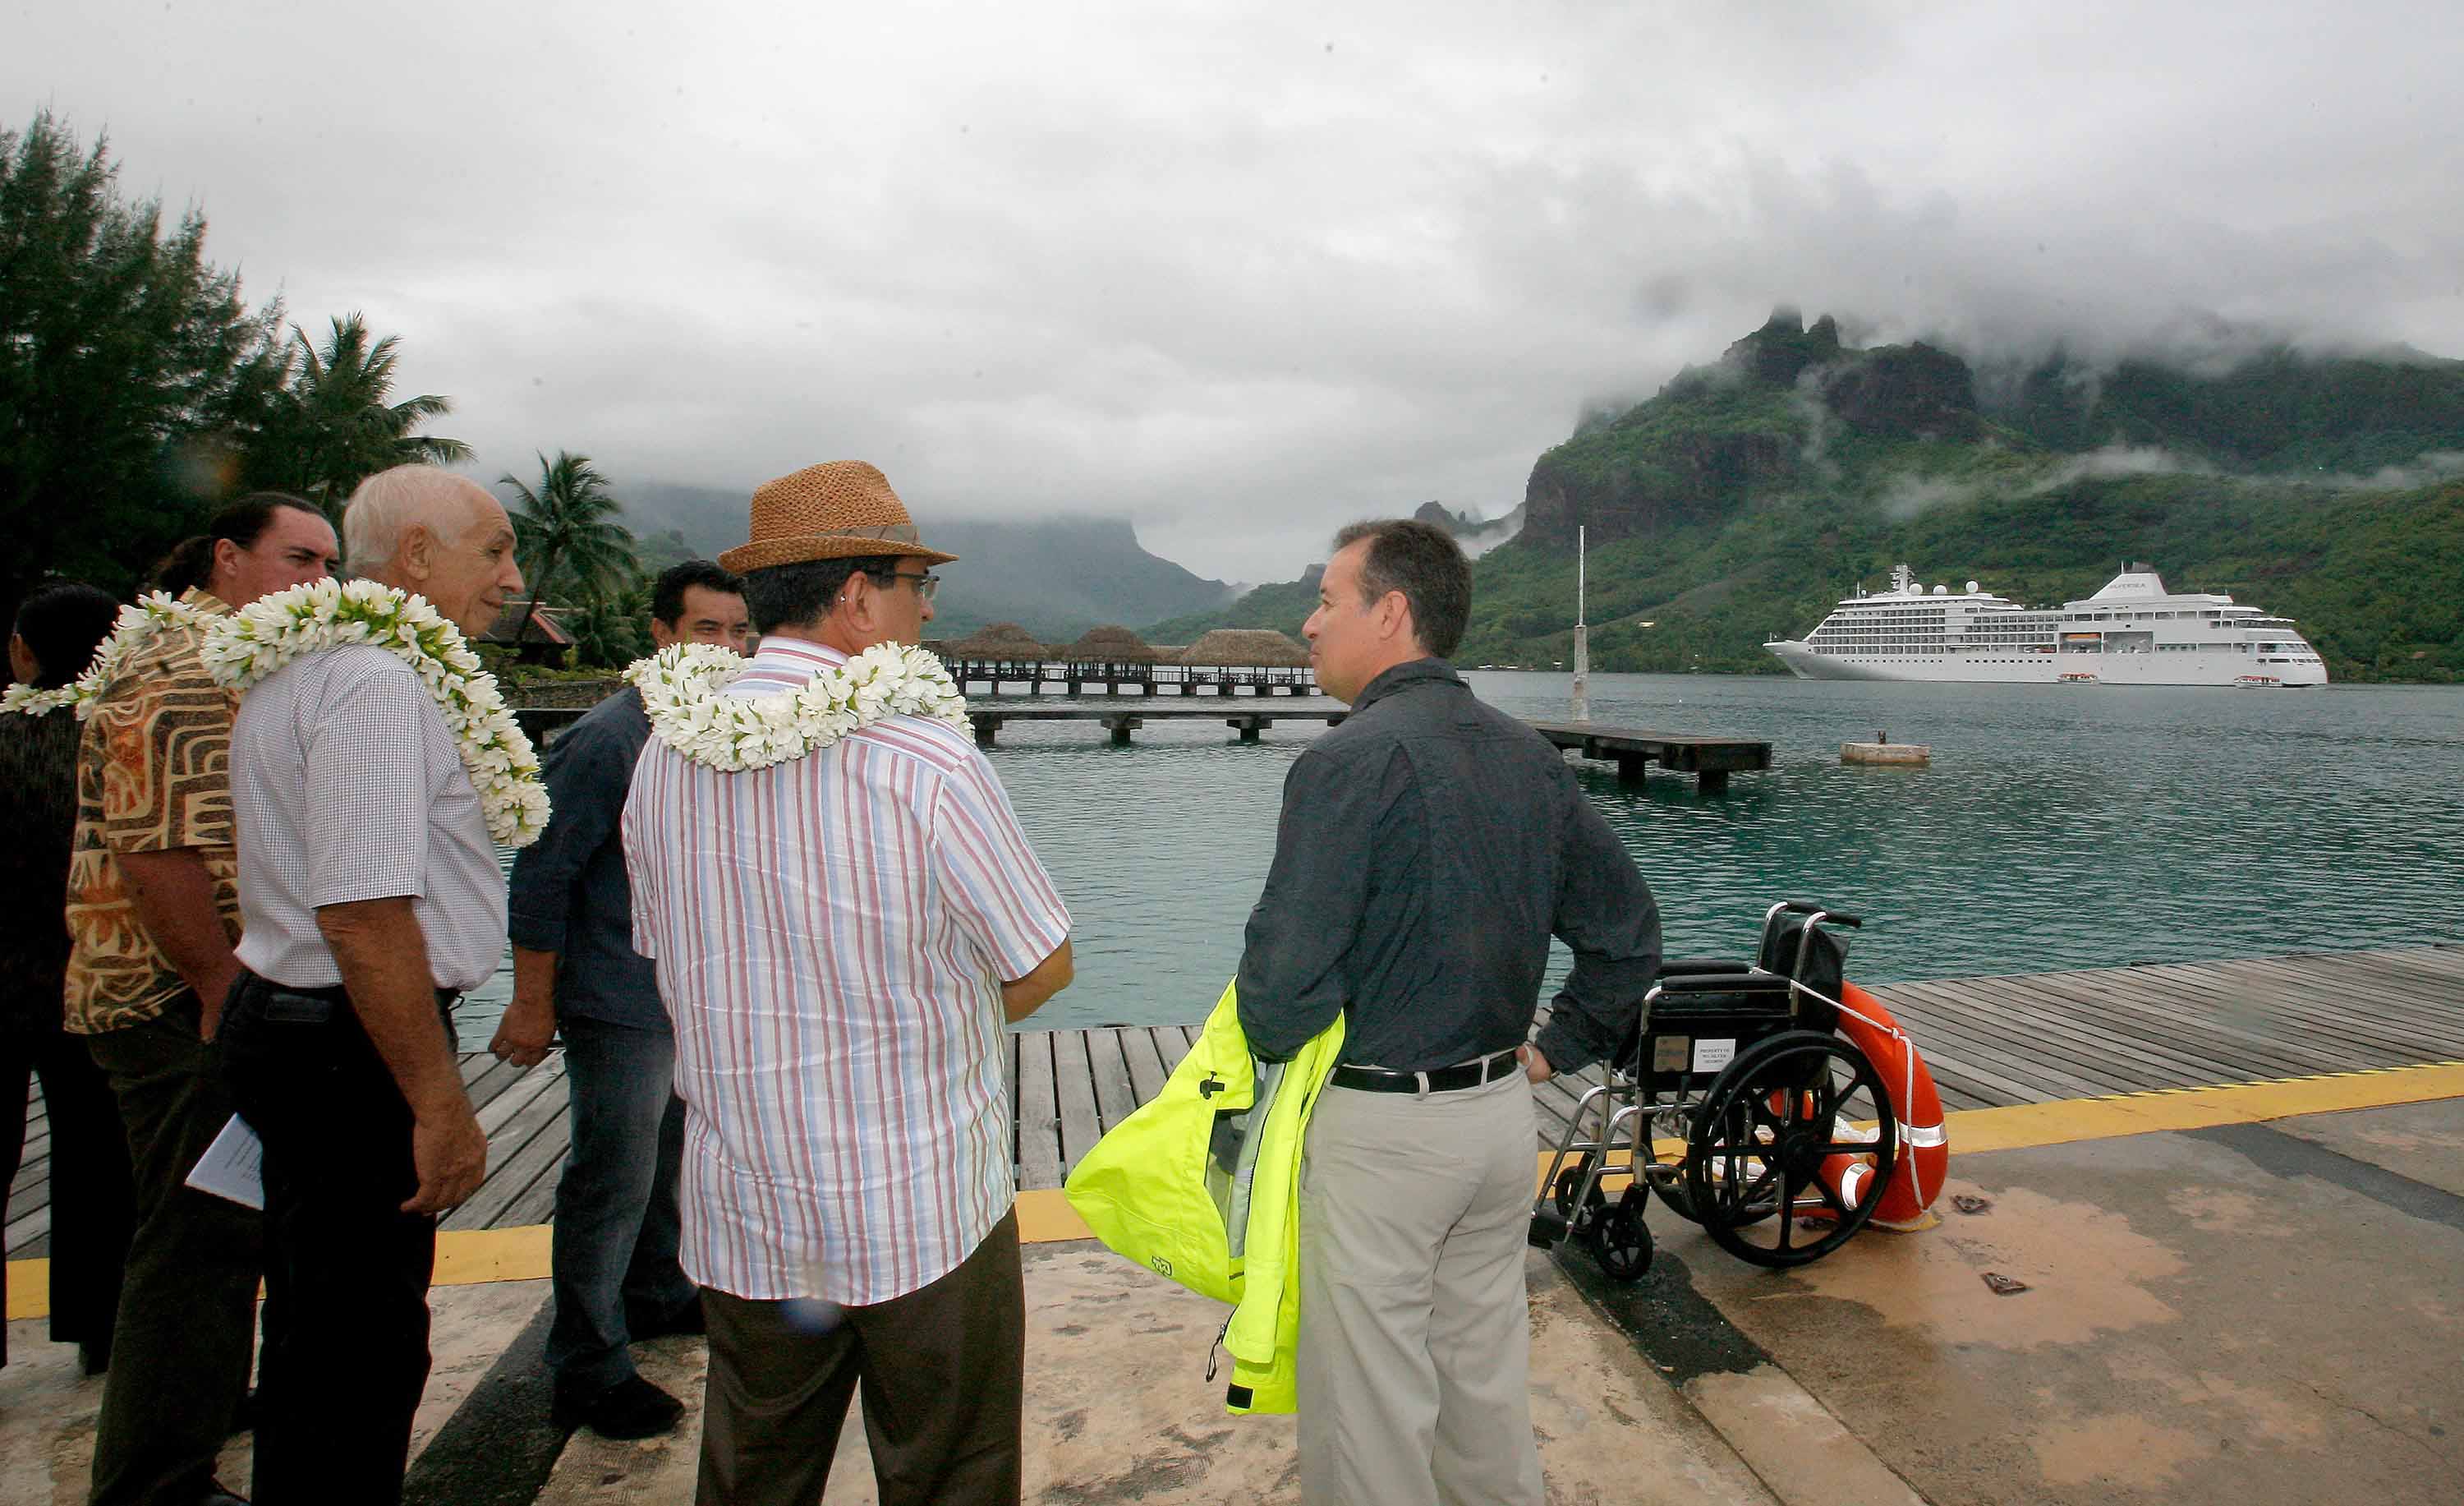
[(1245, 645), (1108, 645), (1003, 641)]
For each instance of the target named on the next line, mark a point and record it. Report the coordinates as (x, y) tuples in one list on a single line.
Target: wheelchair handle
[(1830, 916)]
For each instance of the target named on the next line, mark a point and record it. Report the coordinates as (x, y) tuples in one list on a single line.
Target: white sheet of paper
[(1712, 1055), (233, 1166)]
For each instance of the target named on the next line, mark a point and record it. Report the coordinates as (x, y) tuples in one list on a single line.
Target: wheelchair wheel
[(1620, 1240), (1671, 1190), (1570, 1183), (1776, 1141)]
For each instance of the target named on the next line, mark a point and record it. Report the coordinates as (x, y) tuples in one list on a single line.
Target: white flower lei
[(252, 642), (681, 691), (135, 628), (265, 634)]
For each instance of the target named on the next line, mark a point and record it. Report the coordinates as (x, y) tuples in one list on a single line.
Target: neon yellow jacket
[(1203, 1185)]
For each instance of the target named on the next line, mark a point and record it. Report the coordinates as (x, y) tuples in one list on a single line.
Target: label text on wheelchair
[(1712, 1055)]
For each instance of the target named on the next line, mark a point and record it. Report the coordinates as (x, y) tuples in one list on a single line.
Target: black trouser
[(188, 1314), (345, 1267), (89, 1175)]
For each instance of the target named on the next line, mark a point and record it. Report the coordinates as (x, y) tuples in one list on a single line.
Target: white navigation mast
[(1583, 634)]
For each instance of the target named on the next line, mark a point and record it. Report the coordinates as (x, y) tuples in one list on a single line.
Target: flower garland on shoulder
[(248, 644), (265, 634), (134, 628), (682, 691)]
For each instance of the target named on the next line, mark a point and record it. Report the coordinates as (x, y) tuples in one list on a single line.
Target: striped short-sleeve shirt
[(830, 935)]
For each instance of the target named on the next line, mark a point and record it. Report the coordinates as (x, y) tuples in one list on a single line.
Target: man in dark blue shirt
[(1428, 848), (571, 912)]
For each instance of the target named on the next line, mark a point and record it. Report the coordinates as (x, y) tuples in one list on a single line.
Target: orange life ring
[(1924, 1149)]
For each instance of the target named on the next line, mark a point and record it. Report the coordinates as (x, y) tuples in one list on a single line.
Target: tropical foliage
[(130, 369), (573, 546), (334, 421)]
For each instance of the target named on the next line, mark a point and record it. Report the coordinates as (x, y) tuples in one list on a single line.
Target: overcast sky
[(1243, 272)]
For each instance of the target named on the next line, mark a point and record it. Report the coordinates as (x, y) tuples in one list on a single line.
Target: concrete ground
[(2245, 1313), (2232, 1311), (1117, 1407)]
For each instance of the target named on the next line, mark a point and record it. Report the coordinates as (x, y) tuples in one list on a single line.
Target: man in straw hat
[(839, 937)]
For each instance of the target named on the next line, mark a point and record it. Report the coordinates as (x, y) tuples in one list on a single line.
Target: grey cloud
[(1240, 276)]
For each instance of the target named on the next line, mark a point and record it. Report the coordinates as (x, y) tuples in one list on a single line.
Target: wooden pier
[(1990, 1042), (989, 718), (1112, 678), (1709, 760)]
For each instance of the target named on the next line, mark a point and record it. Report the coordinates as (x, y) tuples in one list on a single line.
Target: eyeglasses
[(926, 584)]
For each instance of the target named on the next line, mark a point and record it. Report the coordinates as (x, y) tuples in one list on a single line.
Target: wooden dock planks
[(1990, 1041)]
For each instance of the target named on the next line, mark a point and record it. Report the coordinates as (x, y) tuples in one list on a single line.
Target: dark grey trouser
[(614, 1239), (90, 1200), (944, 1375), (346, 1270), (188, 1308)]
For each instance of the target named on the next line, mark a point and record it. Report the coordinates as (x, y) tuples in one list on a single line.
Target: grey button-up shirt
[(1428, 848), (570, 895)]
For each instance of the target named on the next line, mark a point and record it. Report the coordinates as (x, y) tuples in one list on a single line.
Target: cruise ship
[(2134, 631)]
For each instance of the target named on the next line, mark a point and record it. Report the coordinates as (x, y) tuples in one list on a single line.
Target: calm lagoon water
[(2059, 827)]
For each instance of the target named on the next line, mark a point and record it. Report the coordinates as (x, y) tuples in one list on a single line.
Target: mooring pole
[(1582, 707)]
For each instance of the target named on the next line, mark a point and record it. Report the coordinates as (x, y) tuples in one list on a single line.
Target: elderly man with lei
[(843, 913), (371, 764)]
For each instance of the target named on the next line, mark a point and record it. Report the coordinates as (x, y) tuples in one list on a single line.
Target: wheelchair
[(1739, 1105)]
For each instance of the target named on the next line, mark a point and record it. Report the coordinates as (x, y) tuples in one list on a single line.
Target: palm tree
[(609, 627), (569, 525), (333, 424)]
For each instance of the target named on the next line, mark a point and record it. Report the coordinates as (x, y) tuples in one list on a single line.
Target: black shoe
[(244, 1415), (631, 1408), (685, 1320), (94, 1356)]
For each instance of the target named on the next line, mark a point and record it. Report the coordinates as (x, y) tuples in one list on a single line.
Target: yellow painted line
[(1044, 1216), (467, 1256), (2033, 1125), (30, 1289)]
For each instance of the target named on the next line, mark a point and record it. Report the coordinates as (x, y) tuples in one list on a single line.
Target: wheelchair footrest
[(1549, 1230)]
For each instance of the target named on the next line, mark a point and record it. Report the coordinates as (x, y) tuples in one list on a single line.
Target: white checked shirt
[(831, 935), (347, 785)]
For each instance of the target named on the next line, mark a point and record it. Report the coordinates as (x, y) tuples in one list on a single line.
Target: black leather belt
[(1444, 1079)]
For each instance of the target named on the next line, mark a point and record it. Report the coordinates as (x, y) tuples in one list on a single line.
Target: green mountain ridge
[(1748, 496), (1056, 577)]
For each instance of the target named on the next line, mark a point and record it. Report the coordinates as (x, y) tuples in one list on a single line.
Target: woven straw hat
[(839, 511)]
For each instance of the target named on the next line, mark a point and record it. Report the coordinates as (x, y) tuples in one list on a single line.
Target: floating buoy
[(1909, 755)]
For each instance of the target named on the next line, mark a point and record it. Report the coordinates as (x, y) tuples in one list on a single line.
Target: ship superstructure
[(2132, 632)]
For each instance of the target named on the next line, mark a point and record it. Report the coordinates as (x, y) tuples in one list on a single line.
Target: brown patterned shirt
[(153, 775)]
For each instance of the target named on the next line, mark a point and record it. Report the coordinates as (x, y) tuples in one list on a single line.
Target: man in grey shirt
[(371, 897), (1428, 848), (617, 1277)]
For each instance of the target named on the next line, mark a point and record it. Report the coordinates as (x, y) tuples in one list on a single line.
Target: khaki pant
[(1416, 1337)]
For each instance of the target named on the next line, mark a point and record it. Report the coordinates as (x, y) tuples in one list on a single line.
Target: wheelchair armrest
[(1723, 983), (1678, 967)]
